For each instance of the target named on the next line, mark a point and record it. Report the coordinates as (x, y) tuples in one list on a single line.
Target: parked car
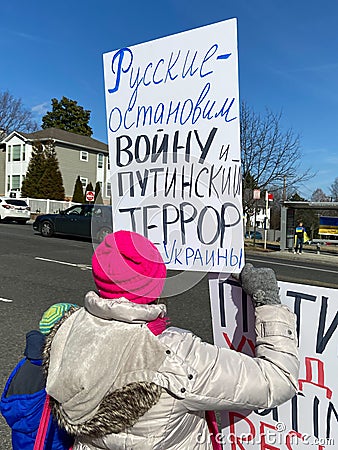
[(86, 220), (12, 209), (251, 235)]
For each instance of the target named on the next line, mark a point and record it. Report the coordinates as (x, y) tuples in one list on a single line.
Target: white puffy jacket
[(99, 351)]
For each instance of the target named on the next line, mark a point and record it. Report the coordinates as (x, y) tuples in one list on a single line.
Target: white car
[(14, 209)]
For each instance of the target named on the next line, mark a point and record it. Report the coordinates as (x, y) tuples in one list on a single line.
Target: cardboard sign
[(173, 130), (310, 419)]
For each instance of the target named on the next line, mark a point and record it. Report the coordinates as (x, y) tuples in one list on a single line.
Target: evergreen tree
[(36, 167), (67, 115), (98, 195), (51, 183), (78, 196), (89, 186), (249, 184), (295, 197), (43, 177)]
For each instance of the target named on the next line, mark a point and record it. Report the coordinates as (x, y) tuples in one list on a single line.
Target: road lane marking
[(5, 300), (80, 266), (265, 261), (308, 282), (87, 267)]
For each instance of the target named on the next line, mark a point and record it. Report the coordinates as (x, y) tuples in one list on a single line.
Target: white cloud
[(26, 36), (332, 159), (41, 109)]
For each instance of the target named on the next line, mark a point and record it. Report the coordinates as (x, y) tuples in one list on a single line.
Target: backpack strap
[(43, 426)]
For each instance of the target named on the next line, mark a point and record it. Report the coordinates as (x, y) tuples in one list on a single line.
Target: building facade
[(77, 155)]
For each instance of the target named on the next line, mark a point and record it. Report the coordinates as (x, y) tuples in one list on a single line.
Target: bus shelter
[(288, 221)]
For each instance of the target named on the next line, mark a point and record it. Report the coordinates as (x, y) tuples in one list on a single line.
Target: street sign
[(256, 194), (90, 195)]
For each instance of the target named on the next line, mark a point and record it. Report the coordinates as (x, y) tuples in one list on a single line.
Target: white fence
[(46, 206), (272, 235)]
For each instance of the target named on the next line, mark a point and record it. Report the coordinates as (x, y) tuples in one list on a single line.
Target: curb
[(305, 256)]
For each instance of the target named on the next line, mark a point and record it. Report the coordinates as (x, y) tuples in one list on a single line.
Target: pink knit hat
[(128, 265)]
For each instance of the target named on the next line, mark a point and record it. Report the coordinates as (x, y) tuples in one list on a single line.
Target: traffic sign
[(256, 194), (90, 195)]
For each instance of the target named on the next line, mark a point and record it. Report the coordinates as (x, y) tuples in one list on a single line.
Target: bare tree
[(14, 116), (269, 154), (319, 196), (334, 190)]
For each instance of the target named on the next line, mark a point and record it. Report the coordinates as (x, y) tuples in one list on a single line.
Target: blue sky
[(288, 59)]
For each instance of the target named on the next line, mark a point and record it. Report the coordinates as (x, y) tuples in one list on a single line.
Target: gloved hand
[(260, 284)]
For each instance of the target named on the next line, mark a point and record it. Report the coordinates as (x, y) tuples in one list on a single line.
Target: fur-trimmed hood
[(98, 380)]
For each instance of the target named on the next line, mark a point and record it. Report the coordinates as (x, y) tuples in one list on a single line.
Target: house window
[(100, 161), (16, 153), (8, 183), (108, 163), (84, 182), (108, 189), (83, 156), (15, 182)]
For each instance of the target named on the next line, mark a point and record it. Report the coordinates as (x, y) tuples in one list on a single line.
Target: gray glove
[(260, 284)]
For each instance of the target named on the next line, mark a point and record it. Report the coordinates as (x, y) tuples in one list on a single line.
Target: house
[(261, 215), (77, 155)]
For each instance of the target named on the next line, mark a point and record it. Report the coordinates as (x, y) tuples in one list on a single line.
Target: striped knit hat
[(52, 315)]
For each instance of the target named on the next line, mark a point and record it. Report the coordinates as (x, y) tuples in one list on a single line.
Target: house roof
[(63, 136)]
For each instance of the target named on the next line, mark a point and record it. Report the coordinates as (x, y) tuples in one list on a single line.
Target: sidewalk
[(328, 255)]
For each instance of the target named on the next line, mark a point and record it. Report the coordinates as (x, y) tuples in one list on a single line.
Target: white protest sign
[(173, 130), (310, 419)]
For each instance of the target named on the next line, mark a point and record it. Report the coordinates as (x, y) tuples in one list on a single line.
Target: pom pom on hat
[(52, 315), (126, 264)]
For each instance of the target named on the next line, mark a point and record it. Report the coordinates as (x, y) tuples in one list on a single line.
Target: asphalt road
[(36, 272), (307, 268)]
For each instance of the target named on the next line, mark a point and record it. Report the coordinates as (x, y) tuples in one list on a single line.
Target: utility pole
[(266, 217), (284, 189)]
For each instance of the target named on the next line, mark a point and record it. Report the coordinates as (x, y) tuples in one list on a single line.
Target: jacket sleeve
[(225, 379)]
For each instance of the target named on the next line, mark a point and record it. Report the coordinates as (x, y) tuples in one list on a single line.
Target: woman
[(120, 379)]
